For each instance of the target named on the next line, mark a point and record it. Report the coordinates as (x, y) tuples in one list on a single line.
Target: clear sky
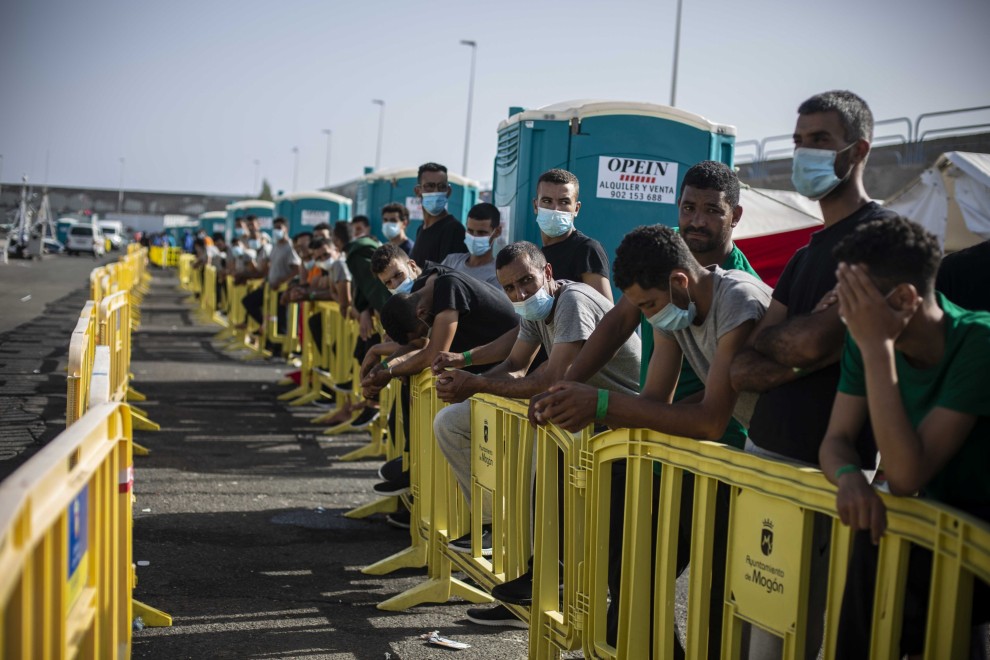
[(190, 94)]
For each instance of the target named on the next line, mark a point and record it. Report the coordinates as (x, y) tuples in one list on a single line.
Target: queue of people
[(869, 359)]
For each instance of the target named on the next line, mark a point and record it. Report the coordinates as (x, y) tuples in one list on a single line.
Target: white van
[(85, 238), (113, 230)]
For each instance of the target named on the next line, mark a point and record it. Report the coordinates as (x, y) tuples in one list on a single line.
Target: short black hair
[(513, 251), (485, 211), (218, 236), (647, 255), (854, 115), (560, 177), (343, 231), (396, 208), (321, 227), (361, 219), (429, 167), (250, 218), (317, 243), (896, 251), (713, 175), (307, 234), (280, 221), (399, 318), (386, 254)]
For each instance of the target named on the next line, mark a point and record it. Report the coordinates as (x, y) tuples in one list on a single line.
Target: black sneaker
[(517, 592), (399, 519), (367, 416), (391, 470), (344, 387), (463, 544), (500, 615), (394, 487)]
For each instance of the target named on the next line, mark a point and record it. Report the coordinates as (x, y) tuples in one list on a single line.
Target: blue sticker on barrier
[(78, 538)]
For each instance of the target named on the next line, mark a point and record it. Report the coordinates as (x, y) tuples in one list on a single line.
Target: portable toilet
[(215, 221), (305, 210), (629, 158), (62, 228), (264, 211), (376, 189)]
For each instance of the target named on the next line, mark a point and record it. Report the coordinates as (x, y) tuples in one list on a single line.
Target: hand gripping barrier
[(114, 323), (434, 520), (768, 561), (82, 353), (66, 572)]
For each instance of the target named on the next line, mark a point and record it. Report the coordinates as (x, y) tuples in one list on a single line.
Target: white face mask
[(391, 229)]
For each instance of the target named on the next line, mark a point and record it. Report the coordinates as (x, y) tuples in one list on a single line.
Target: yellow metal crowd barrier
[(66, 573), (114, 322), (164, 257), (82, 354)]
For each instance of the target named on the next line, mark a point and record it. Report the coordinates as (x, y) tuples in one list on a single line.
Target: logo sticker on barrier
[(637, 180), (484, 449), (78, 542), (765, 560)]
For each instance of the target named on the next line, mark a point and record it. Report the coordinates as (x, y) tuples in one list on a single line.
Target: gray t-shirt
[(283, 262), (485, 272), (737, 297), (577, 311), (339, 272)]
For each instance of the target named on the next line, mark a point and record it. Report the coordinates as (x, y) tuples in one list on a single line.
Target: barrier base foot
[(152, 617), (381, 505), (139, 450), (142, 423), (434, 590), (370, 450), (412, 557), (292, 394), (134, 395), (309, 397), (286, 381)]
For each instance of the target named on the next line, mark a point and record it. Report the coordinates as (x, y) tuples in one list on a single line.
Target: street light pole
[(381, 129), (677, 50), (467, 130), (257, 174), (326, 175), (120, 189), (295, 169)]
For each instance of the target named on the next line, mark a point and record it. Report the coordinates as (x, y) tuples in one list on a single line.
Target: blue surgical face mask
[(554, 223), (535, 308), (278, 233), (405, 287), (254, 243), (240, 231), (238, 251), (813, 171), (434, 203), (326, 264), (672, 318), (477, 245), (308, 265), (391, 229)]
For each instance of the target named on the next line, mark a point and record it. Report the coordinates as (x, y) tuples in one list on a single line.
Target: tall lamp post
[(381, 129), (120, 188), (677, 51), (326, 174), (295, 169), (467, 131)]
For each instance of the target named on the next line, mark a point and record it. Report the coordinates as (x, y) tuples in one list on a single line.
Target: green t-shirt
[(960, 382), (689, 383)]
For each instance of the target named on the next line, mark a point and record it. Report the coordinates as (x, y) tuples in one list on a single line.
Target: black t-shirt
[(407, 246), (437, 241), (963, 277), (576, 255), (484, 312), (792, 419)]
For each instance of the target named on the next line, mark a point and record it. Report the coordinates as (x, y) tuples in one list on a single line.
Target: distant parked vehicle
[(113, 230), (86, 238)]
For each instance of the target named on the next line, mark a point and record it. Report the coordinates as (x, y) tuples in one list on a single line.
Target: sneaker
[(391, 470), (394, 487), (500, 615), (367, 416), (400, 519), (517, 592), (344, 387), (463, 544)]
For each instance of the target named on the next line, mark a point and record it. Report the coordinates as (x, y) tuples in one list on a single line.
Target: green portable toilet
[(377, 189), (630, 159), (214, 221), (304, 210), (62, 228), (264, 211)]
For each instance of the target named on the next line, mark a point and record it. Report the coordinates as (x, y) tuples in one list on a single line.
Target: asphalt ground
[(239, 514)]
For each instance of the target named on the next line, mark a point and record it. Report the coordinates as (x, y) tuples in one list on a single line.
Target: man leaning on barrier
[(557, 315), (916, 368)]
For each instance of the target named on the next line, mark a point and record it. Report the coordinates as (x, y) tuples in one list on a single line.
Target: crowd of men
[(870, 358)]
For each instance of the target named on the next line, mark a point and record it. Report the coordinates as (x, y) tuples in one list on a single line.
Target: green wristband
[(467, 358), (602, 409), (846, 469)]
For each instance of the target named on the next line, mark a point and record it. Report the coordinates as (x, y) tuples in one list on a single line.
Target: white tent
[(951, 199)]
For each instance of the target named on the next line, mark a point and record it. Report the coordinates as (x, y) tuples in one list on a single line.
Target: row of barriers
[(66, 571), (744, 523)]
